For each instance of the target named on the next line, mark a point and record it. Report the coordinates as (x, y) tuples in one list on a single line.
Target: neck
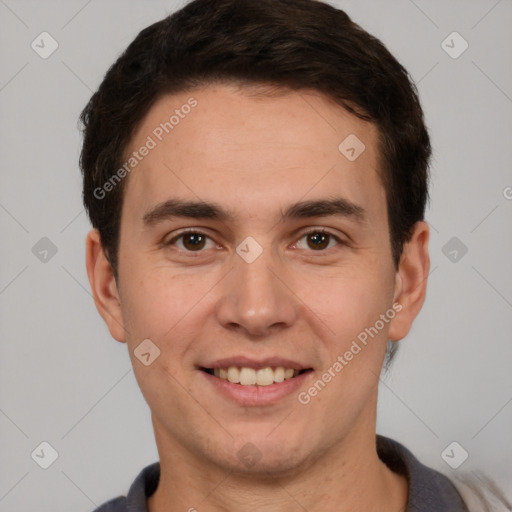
[(349, 477)]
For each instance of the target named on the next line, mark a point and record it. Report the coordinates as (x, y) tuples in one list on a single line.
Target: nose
[(257, 297)]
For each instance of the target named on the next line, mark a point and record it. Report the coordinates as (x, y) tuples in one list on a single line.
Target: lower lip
[(257, 395)]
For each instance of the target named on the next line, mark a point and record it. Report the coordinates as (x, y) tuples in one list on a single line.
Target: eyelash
[(197, 232)]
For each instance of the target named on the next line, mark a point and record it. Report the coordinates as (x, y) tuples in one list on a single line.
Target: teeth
[(250, 376), (279, 374), (247, 376), (233, 374), (265, 377)]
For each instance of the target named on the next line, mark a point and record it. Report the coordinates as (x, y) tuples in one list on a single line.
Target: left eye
[(318, 240)]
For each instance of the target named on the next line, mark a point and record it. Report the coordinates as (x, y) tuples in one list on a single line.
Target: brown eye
[(319, 240), (193, 241), (190, 241)]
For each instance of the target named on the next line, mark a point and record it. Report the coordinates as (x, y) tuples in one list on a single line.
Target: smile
[(246, 376)]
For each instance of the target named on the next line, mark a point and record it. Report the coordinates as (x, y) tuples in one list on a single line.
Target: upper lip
[(248, 362)]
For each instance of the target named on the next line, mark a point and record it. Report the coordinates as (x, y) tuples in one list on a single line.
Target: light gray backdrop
[(65, 382)]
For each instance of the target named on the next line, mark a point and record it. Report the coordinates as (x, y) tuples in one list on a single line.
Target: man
[(256, 175)]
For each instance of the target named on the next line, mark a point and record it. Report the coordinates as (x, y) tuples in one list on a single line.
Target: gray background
[(65, 381)]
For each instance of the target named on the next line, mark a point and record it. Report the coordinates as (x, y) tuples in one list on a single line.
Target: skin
[(255, 154)]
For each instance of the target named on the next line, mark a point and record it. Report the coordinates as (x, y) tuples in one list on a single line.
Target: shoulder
[(113, 505), (428, 489), (135, 501), (481, 494), (431, 490)]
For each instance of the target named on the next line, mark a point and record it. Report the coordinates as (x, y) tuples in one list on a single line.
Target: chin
[(262, 455), (265, 463)]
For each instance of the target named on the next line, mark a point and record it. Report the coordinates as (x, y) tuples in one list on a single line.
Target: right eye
[(191, 241)]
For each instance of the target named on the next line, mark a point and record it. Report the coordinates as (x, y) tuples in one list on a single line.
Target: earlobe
[(411, 281), (103, 286)]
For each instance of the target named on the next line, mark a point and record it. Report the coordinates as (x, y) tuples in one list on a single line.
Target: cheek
[(355, 343), (151, 304), (164, 305), (166, 393), (352, 299)]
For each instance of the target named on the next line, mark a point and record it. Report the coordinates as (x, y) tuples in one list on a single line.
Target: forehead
[(253, 152)]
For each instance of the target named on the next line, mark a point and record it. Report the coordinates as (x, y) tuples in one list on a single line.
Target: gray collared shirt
[(429, 490)]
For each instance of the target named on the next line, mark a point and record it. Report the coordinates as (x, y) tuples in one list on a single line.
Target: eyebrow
[(178, 208)]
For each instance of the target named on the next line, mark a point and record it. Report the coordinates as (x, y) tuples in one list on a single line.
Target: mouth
[(248, 376)]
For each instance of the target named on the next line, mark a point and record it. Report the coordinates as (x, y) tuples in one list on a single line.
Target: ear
[(411, 281), (104, 286)]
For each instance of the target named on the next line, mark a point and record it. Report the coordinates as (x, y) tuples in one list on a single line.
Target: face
[(254, 249)]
